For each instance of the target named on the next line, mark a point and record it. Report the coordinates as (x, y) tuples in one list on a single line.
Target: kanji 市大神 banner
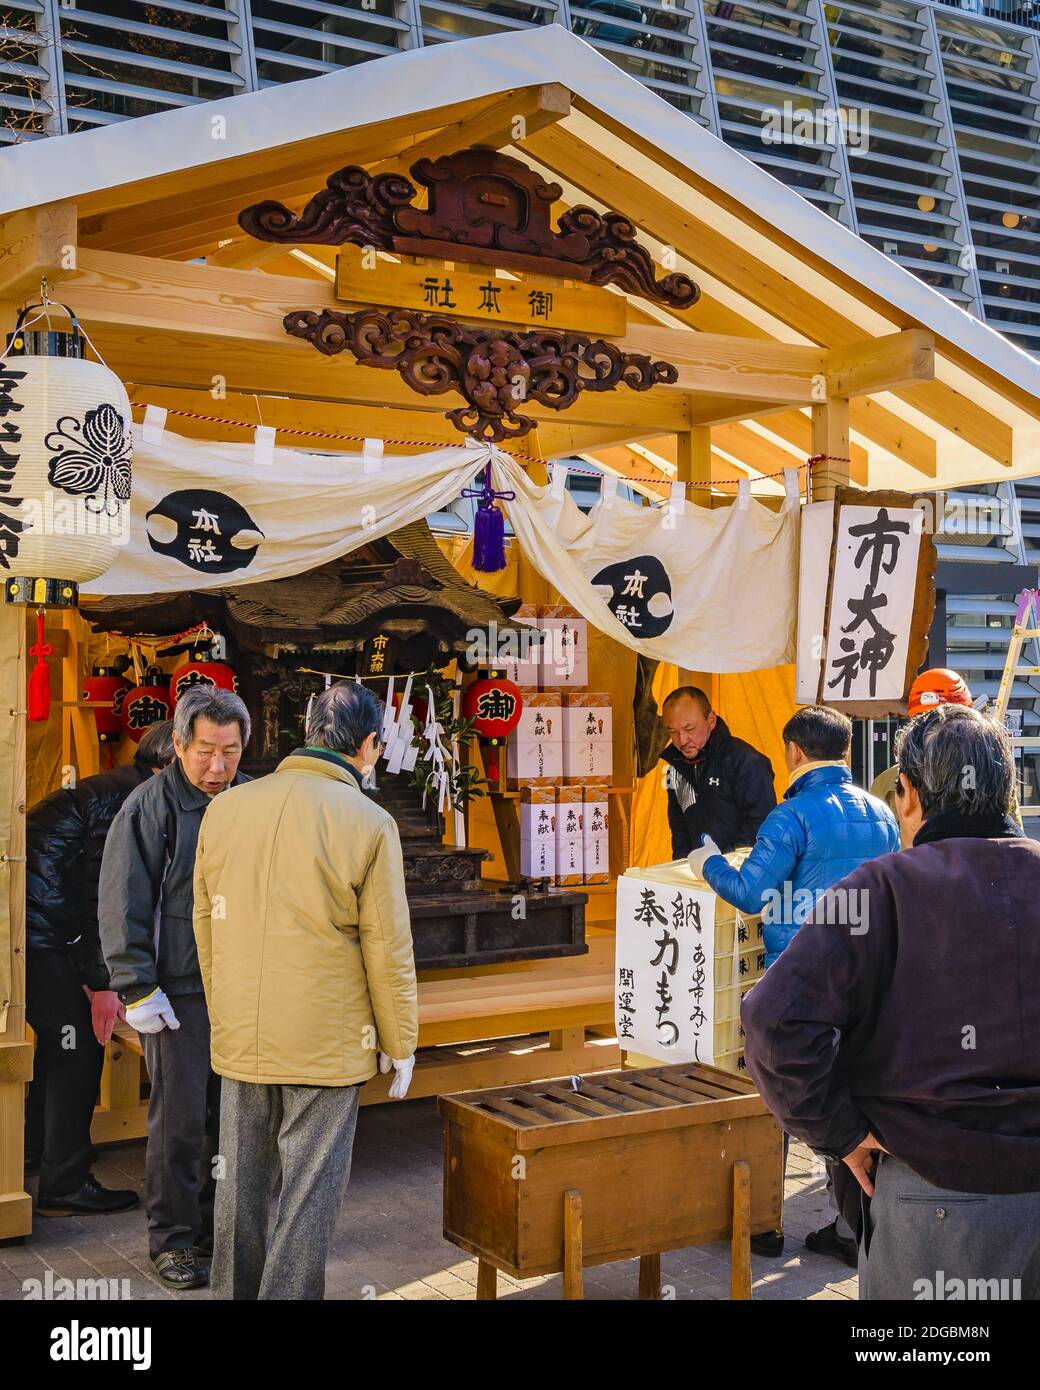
[(712, 589), (207, 515), (867, 597)]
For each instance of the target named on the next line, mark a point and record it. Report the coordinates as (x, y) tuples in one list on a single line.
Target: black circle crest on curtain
[(205, 527), (639, 594)]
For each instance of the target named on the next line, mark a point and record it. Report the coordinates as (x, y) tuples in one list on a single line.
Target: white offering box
[(538, 832), (521, 661), (565, 649), (534, 750), (588, 744), (595, 835), (569, 860)]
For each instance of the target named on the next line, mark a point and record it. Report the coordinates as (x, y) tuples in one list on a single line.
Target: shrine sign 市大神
[(866, 598), (492, 209)]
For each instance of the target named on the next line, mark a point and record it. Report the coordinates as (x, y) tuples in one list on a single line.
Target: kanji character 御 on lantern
[(65, 454), (494, 704), (200, 670), (105, 684), (147, 703)]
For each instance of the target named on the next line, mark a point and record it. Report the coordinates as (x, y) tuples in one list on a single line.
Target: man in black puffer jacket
[(69, 1002), (718, 785)]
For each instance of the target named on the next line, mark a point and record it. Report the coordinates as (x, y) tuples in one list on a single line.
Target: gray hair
[(958, 760), (221, 706), (156, 746), (342, 717)]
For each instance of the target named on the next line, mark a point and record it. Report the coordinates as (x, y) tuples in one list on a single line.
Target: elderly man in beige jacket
[(305, 948)]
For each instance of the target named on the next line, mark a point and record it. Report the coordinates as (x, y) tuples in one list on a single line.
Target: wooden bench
[(491, 1026)]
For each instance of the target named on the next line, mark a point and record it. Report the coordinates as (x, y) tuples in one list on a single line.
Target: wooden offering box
[(542, 1178)]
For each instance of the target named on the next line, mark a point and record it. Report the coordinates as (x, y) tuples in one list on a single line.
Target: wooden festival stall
[(800, 340)]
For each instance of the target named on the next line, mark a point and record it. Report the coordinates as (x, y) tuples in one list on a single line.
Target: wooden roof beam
[(881, 364), (195, 362), (702, 244), (514, 116), (320, 419), (500, 124), (33, 244), (216, 302)]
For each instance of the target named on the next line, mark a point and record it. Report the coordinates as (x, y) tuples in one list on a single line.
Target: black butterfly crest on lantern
[(639, 594), (92, 459)]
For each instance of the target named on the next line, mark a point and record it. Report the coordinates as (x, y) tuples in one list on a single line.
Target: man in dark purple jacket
[(904, 1046)]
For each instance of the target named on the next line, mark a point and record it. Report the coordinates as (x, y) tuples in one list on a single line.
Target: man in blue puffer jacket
[(823, 829)]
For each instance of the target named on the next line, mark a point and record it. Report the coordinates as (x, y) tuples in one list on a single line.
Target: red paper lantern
[(146, 704), (200, 670), (103, 684), (495, 705)]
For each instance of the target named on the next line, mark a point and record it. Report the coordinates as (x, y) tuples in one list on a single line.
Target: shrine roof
[(771, 266)]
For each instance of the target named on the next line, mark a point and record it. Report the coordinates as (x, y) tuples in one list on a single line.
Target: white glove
[(152, 1014), (403, 1079), (697, 858)]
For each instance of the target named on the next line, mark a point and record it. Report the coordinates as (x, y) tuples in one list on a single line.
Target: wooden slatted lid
[(541, 1113)]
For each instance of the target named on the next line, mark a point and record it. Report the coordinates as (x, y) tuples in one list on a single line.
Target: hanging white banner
[(711, 589), (708, 589), (203, 515)]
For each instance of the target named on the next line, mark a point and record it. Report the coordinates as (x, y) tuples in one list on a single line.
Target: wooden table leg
[(650, 1277), (487, 1280), (740, 1244), (572, 1252)]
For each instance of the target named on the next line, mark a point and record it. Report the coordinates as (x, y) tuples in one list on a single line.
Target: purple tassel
[(489, 540), (489, 527)]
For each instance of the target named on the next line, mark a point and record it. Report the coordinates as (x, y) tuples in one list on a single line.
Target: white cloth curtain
[(208, 515), (714, 590), (709, 589)]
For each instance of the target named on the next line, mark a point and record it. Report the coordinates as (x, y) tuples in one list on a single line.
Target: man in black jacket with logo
[(70, 1004), (718, 785)]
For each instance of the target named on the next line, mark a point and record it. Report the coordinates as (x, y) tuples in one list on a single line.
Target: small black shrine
[(394, 605)]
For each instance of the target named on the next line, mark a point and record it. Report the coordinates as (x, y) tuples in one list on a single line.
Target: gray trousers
[(183, 1116), (925, 1242), (305, 1136)]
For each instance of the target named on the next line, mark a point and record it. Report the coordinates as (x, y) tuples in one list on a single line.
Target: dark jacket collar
[(189, 797), (323, 755), (954, 825)]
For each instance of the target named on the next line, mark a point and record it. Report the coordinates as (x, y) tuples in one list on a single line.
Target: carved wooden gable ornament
[(491, 209)]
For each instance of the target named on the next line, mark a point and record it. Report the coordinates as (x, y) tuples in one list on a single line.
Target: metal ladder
[(1026, 628)]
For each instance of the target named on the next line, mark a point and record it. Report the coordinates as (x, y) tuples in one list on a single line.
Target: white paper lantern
[(65, 471)]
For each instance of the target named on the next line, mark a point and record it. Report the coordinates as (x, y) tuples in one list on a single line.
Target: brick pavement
[(388, 1241)]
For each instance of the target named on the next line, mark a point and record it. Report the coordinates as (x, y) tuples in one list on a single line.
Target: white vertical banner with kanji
[(664, 970), (872, 602)]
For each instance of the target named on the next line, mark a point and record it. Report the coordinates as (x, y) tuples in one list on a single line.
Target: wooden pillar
[(16, 1053), (740, 1240), (830, 436), (573, 1286), (79, 740), (650, 1277), (693, 460)]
